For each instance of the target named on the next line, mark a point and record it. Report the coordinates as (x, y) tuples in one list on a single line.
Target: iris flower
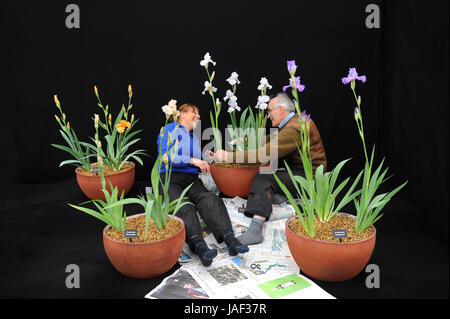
[(291, 67), (352, 76), (206, 60), (263, 83), (300, 87), (208, 88), (262, 102), (232, 101), (171, 108), (233, 79)]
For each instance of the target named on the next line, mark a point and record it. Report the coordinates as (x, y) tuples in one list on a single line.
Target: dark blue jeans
[(209, 206)]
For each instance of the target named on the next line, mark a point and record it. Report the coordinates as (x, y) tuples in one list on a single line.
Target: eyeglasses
[(270, 110)]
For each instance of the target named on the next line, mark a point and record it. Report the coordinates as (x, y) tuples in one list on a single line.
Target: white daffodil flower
[(233, 79), (206, 60)]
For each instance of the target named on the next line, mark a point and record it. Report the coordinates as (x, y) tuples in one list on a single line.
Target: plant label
[(94, 169), (340, 233), (131, 233)]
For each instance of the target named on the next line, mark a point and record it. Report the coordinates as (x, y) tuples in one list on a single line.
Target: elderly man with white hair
[(281, 112)]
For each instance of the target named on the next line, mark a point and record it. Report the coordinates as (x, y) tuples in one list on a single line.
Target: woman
[(186, 165)]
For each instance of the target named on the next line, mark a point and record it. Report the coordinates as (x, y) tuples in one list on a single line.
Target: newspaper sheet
[(266, 271), (227, 280)]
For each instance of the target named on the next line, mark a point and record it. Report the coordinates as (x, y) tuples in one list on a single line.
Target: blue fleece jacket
[(188, 146)]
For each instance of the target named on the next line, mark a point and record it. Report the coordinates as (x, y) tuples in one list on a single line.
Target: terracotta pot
[(144, 260), (234, 181), (92, 186), (329, 261)]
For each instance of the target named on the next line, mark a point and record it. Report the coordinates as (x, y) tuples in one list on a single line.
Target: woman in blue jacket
[(186, 165)]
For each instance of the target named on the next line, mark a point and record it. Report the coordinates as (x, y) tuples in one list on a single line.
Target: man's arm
[(283, 143)]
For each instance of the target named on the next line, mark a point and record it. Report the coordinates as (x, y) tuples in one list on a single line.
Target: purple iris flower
[(352, 76), (300, 87), (291, 66)]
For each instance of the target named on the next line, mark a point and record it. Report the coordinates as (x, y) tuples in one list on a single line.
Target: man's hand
[(220, 156), (203, 165)]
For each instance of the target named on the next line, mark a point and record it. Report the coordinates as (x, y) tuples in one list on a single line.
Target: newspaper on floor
[(266, 271), (274, 238), (260, 264), (228, 280)]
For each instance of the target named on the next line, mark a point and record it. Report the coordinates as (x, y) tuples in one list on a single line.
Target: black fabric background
[(157, 47)]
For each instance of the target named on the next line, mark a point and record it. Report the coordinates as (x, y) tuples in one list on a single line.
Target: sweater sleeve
[(278, 146)]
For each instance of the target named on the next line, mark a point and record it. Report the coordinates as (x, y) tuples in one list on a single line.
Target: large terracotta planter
[(92, 186), (144, 260), (329, 261), (234, 181)]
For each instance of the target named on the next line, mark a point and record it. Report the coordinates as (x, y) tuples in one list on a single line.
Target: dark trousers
[(259, 200), (209, 206)]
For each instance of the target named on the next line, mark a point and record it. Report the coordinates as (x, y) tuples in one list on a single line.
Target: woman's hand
[(203, 165)]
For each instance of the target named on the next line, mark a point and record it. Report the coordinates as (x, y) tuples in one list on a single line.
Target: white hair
[(284, 101)]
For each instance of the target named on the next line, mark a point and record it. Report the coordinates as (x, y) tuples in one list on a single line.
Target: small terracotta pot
[(144, 260), (92, 186), (329, 261), (234, 181)]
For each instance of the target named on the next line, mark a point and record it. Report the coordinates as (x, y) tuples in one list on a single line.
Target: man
[(281, 112)]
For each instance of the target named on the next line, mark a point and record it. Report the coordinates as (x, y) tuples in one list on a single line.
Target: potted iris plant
[(119, 136), (246, 132), (327, 244), (157, 235)]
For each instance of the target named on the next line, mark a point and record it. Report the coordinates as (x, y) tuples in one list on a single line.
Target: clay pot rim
[(243, 167), (289, 220), (146, 243), (79, 172)]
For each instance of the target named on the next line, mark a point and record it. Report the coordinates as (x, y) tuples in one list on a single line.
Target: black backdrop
[(157, 46)]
